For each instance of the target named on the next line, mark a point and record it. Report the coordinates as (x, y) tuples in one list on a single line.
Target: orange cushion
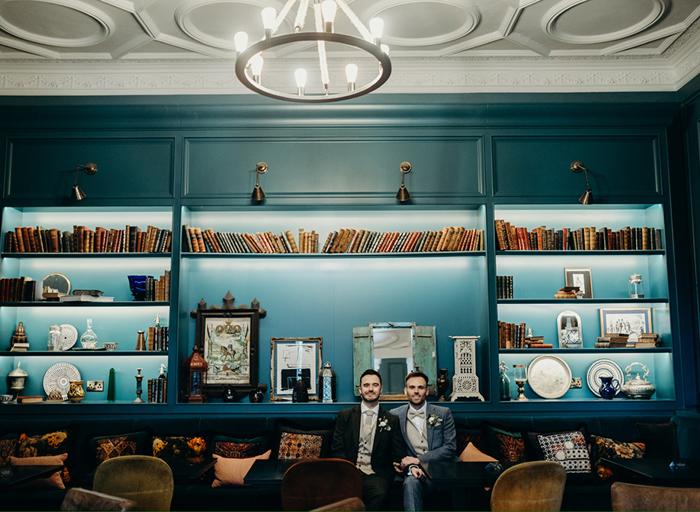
[(232, 471), (53, 481), (472, 454)]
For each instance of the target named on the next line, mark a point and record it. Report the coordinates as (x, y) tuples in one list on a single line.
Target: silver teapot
[(638, 387)]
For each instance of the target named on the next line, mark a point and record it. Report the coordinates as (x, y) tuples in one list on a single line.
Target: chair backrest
[(314, 483), (346, 505), (146, 480), (537, 486), (647, 497), (77, 498)]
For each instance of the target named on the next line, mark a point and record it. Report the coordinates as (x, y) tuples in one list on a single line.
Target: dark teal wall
[(201, 152)]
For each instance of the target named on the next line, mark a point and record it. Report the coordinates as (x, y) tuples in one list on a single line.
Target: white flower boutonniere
[(383, 424), (434, 420)]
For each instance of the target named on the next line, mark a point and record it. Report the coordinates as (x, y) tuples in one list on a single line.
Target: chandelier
[(250, 62)]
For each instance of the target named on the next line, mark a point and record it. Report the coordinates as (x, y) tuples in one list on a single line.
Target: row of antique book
[(512, 238), (157, 390), (340, 242), (84, 240), (504, 287), (158, 338), (624, 340), (158, 289), (19, 289), (511, 335)]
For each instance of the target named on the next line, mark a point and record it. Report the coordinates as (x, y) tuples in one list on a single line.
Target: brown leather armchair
[(631, 497), (314, 483), (537, 486)]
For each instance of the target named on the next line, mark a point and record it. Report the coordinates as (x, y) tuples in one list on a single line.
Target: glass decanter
[(89, 338)]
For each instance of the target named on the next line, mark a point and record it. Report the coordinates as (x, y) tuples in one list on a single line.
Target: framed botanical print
[(229, 340), (295, 359)]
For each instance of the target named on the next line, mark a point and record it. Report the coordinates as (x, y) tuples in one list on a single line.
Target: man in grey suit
[(430, 435), (370, 437)]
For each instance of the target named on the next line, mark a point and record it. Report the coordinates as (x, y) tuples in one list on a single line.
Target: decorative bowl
[(111, 345), (6, 399), (89, 344)]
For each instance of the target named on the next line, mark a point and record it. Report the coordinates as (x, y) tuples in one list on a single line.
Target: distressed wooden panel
[(127, 168), (540, 166), (425, 355), (225, 167)]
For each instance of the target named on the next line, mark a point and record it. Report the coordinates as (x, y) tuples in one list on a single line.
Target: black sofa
[(588, 493)]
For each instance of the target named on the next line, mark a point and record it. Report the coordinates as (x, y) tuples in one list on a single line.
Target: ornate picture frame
[(228, 339), (294, 358), (625, 320), (581, 277)]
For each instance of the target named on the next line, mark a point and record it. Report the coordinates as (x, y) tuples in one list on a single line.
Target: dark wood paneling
[(44, 168), (541, 166)]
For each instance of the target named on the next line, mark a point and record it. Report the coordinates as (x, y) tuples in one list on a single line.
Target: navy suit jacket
[(388, 447), (442, 438)]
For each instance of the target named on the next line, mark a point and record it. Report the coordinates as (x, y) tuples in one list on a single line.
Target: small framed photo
[(294, 359), (625, 321), (581, 277), (229, 339)]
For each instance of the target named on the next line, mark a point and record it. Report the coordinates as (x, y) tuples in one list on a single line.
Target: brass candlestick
[(520, 376), (139, 387)]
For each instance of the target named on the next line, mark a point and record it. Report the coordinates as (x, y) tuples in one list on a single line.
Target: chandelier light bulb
[(256, 65), (300, 77), (329, 8), (351, 75), (268, 16), (376, 27), (240, 40)]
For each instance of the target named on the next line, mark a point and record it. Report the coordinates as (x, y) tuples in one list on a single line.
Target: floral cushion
[(506, 446), (567, 448), (300, 446), (604, 447), (192, 448), (8, 447), (237, 448)]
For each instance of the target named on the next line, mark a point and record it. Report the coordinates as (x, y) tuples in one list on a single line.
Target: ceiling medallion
[(249, 63)]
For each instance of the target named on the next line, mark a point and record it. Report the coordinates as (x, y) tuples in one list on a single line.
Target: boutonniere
[(434, 420), (383, 424)]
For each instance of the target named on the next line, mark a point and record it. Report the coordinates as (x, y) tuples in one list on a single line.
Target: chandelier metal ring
[(272, 42)]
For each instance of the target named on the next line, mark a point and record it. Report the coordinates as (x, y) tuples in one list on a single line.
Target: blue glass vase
[(137, 285)]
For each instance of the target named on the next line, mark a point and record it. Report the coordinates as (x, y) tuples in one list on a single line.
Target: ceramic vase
[(76, 392), (609, 387)]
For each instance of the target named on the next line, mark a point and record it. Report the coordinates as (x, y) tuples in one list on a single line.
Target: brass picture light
[(587, 197), (403, 194), (258, 194), (77, 193)]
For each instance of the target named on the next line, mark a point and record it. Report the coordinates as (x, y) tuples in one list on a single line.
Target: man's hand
[(418, 472), (408, 461)]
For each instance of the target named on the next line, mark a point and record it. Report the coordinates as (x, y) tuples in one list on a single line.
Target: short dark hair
[(371, 372), (417, 374)]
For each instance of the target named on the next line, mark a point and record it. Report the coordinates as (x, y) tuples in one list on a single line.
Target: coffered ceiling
[(106, 47)]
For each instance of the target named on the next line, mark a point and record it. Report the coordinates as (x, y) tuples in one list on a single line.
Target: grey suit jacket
[(442, 438)]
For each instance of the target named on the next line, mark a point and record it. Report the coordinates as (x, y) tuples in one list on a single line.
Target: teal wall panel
[(44, 168), (540, 166), (324, 166)]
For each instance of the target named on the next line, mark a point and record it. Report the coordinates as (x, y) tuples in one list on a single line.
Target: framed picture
[(294, 359), (625, 321), (229, 340), (581, 277)]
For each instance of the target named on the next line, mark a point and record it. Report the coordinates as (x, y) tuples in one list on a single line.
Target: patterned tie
[(364, 455)]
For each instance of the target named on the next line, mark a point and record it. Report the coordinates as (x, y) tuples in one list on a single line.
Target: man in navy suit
[(370, 437), (430, 436)]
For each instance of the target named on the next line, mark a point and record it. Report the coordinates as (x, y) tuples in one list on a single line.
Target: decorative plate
[(68, 337), (549, 376), (59, 377), (603, 368)]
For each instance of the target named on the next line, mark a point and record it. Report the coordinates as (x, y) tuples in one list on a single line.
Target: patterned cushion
[(192, 448), (288, 427), (506, 446), (567, 448), (236, 448), (109, 447), (604, 447), (300, 446), (8, 446)]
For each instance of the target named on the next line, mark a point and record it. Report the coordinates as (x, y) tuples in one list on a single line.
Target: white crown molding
[(39, 77)]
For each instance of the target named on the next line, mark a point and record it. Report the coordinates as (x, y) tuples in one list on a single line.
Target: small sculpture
[(17, 378), (19, 339), (300, 392), (443, 384), (257, 394)]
